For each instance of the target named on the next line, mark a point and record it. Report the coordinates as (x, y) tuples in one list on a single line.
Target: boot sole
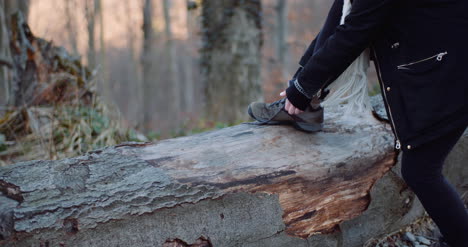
[(308, 127)]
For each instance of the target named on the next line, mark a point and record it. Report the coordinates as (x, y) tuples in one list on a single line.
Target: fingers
[(290, 108), (297, 111), (287, 106), (293, 110)]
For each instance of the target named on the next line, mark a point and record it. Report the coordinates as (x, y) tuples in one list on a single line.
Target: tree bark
[(244, 185), (231, 57)]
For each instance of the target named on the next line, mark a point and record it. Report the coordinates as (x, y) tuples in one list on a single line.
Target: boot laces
[(278, 102)]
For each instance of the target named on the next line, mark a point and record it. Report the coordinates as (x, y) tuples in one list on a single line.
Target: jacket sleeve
[(308, 53), (328, 28), (340, 49)]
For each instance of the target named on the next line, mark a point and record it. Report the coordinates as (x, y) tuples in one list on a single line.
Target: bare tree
[(146, 62), (99, 13), (133, 75), (5, 55), (11, 82), (91, 22), (96, 61), (188, 81), (174, 84), (130, 33), (70, 6), (103, 79), (12, 6), (281, 34), (231, 57)]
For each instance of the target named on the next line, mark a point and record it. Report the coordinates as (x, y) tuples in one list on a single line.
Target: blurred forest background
[(166, 67)]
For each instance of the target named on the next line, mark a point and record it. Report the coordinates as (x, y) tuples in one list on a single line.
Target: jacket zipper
[(439, 58), (398, 144)]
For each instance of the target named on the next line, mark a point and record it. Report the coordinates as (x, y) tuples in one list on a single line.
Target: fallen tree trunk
[(240, 186)]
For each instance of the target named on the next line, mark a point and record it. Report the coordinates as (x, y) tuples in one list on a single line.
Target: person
[(419, 49)]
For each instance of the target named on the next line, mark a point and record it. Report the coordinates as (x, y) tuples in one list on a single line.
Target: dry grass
[(64, 129)]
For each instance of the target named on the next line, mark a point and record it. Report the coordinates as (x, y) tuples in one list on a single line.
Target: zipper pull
[(439, 57), (398, 144)]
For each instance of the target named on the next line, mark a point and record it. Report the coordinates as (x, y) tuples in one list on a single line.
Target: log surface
[(321, 179)]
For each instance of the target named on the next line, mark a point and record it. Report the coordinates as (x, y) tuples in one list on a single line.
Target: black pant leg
[(422, 170)]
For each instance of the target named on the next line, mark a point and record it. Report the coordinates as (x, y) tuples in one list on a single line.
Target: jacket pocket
[(422, 65), (425, 89)]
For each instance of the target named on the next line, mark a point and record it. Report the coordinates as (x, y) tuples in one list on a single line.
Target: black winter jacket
[(420, 51)]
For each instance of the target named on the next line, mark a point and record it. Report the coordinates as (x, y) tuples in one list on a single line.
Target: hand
[(290, 108)]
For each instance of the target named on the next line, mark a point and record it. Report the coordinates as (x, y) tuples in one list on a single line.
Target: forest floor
[(422, 233)]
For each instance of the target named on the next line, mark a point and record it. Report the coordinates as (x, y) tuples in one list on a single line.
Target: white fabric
[(350, 88)]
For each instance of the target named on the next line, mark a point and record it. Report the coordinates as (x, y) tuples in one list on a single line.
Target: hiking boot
[(311, 120), (441, 243)]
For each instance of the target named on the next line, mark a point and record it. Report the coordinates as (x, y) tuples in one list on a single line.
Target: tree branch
[(6, 62)]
